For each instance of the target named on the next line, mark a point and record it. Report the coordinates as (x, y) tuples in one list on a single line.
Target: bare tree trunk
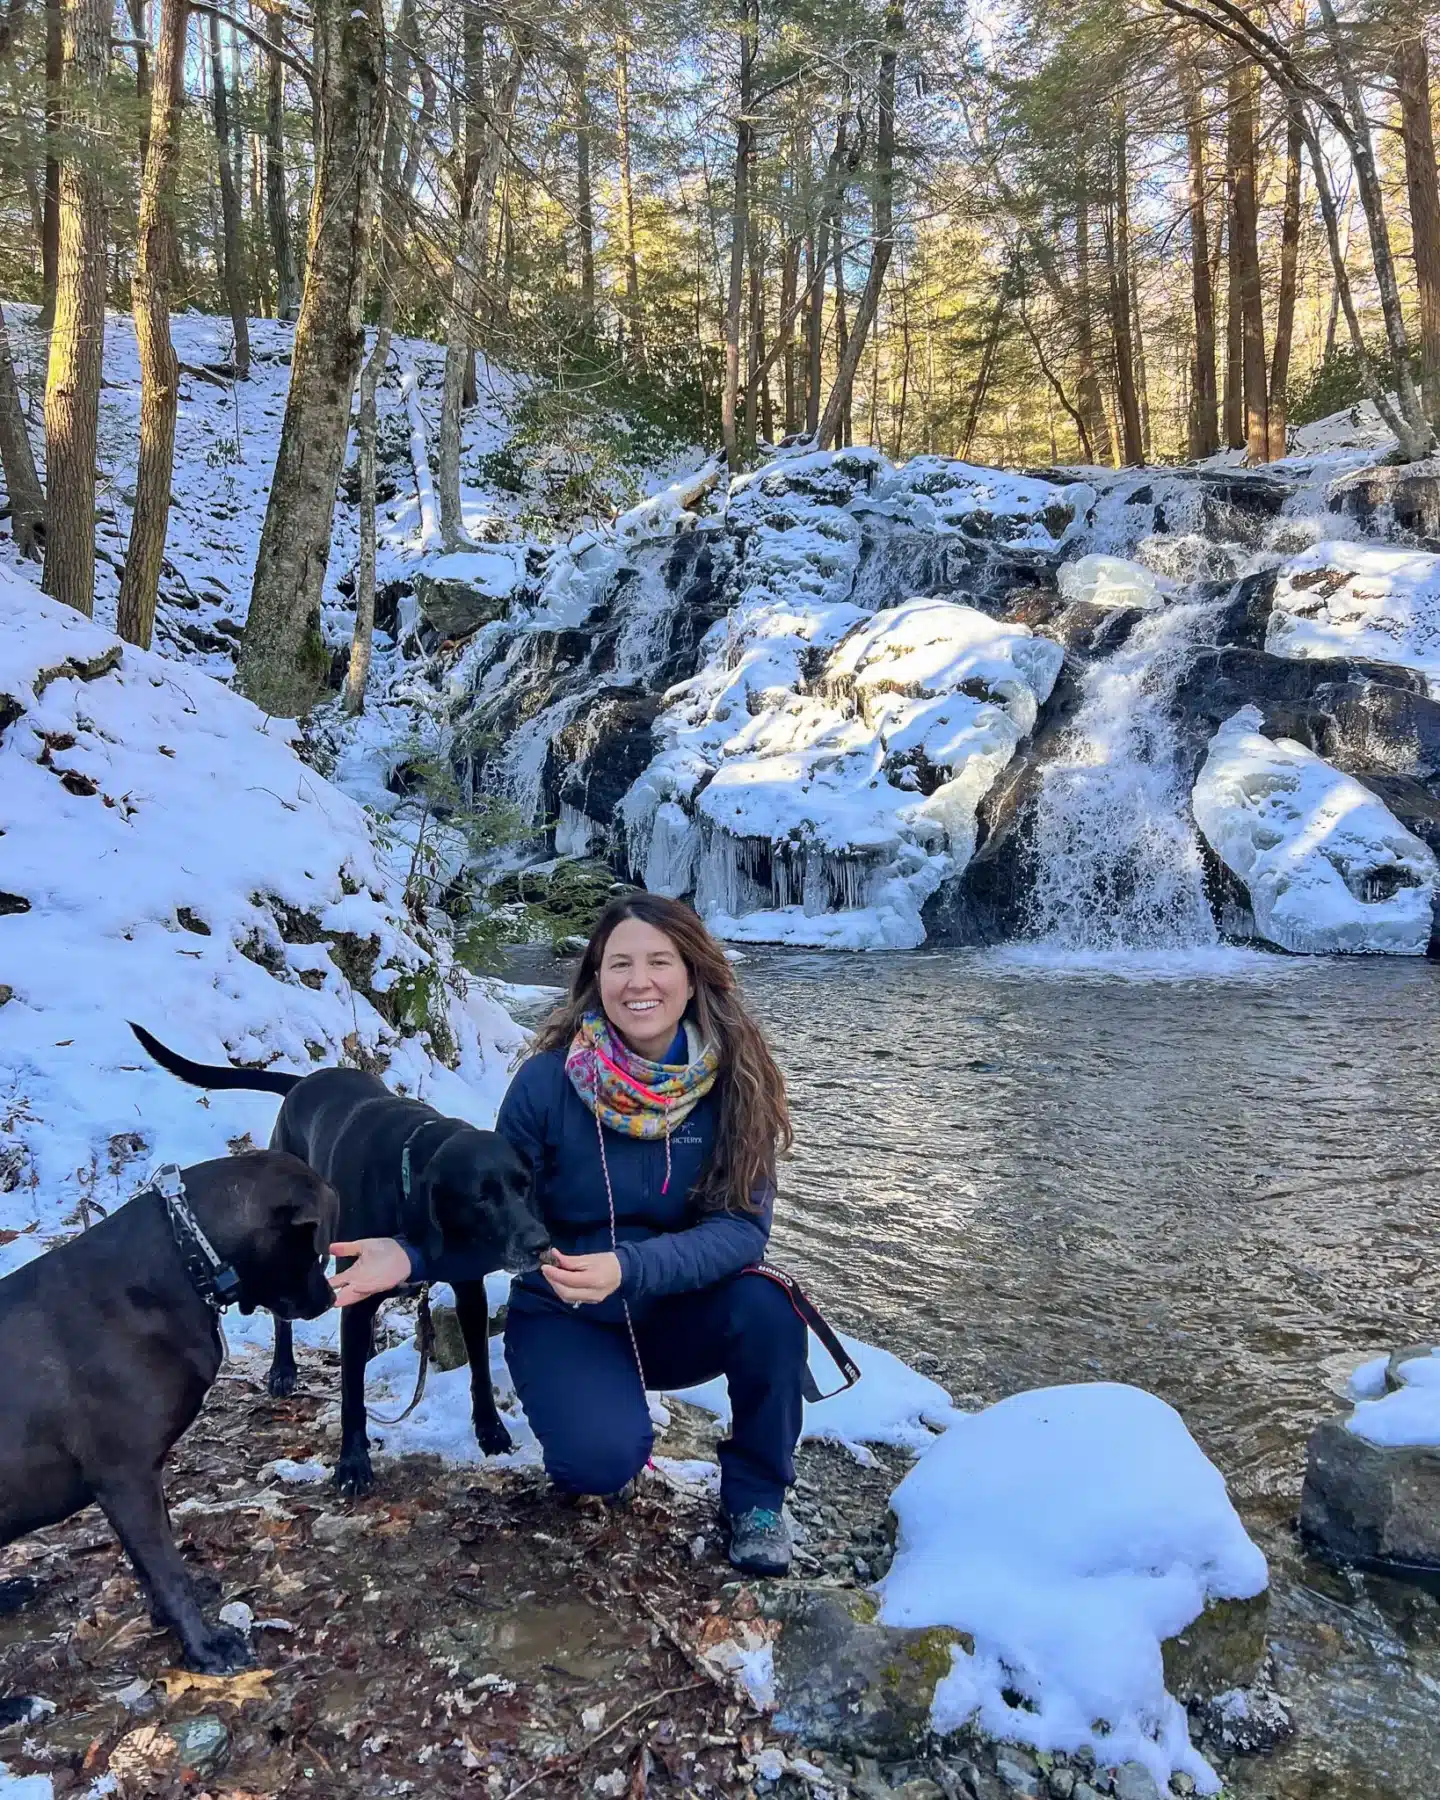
[(789, 281), (1234, 417), (1088, 397), (1142, 377), (232, 267), (1416, 436), (159, 368), (470, 263), (1244, 82), (1204, 421), (282, 247), (395, 172), (584, 201), (634, 330), (837, 407), (817, 255), (139, 26), (17, 459), (1412, 74), (476, 130), (54, 127), (77, 342), (1289, 277), (282, 656), (739, 233), (1118, 247)]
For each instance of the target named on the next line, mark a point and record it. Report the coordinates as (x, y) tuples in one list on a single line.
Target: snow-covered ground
[(1327, 865)]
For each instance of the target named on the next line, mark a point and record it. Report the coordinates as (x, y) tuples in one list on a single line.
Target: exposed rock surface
[(1378, 1505)]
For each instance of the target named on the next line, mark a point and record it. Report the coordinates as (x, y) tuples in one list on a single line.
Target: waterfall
[(1116, 855)]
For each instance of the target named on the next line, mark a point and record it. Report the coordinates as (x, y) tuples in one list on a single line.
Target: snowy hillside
[(167, 856)]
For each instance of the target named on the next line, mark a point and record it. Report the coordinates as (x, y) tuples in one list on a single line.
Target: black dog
[(401, 1170), (110, 1343)]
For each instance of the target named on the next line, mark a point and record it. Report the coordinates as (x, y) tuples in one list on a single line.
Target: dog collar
[(215, 1280)]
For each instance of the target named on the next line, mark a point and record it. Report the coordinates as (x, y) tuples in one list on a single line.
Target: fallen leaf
[(249, 1684)]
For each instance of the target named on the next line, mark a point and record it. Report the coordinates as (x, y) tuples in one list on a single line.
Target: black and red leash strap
[(807, 1310)]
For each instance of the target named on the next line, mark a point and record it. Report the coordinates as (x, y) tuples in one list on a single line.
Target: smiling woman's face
[(644, 986)]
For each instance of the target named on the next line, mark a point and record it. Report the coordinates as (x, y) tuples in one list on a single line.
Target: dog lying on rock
[(401, 1170), (110, 1343)]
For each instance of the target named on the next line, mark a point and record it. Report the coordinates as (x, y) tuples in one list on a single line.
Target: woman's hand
[(380, 1265), (583, 1280)]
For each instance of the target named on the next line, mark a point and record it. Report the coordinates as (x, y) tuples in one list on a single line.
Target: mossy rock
[(844, 1682), (1224, 1648), (566, 897)]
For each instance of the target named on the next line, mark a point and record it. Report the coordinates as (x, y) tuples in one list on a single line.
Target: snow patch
[(1360, 599), (1408, 1417), (1069, 1530)]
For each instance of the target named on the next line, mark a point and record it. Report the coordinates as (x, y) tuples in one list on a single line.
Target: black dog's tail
[(214, 1075)]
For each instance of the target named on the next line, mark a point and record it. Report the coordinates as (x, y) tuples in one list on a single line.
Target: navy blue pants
[(577, 1381)]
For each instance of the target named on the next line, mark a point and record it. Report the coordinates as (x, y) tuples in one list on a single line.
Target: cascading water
[(1116, 855)]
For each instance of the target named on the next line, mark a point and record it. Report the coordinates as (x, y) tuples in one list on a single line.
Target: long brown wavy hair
[(754, 1116)]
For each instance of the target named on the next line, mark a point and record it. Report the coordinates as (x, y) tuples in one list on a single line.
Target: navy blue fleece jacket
[(664, 1245)]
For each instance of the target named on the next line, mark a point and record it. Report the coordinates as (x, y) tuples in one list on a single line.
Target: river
[(1212, 1174)]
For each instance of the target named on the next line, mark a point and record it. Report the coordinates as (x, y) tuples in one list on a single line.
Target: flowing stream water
[(1210, 1173)]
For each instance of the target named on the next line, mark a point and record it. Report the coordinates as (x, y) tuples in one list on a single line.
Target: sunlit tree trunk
[(282, 655), (739, 233), (1275, 416), (159, 368), (54, 126), (584, 201), (1244, 224), (77, 342), (1118, 247), (1204, 398), (634, 330), (1412, 71)]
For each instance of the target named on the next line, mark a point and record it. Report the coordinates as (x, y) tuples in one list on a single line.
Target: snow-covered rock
[(817, 778), (1372, 1481), (1360, 599), (1326, 864), (796, 805), (1069, 1531), (167, 856), (1113, 581)]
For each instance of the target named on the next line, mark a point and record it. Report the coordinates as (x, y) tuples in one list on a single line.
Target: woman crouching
[(652, 1113)]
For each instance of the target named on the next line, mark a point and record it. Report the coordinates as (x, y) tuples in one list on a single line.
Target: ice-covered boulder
[(851, 792), (1113, 581), (1360, 600), (1325, 863), (1069, 1532)]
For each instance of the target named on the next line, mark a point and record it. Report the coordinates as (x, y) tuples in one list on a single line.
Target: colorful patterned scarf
[(631, 1094)]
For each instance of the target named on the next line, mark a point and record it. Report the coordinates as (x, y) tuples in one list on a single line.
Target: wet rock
[(1223, 1648), (1020, 1773), (202, 1744), (1243, 1721), (459, 594), (1408, 497), (843, 1682), (449, 1350), (1133, 1781), (1372, 1504), (1247, 616), (606, 748)]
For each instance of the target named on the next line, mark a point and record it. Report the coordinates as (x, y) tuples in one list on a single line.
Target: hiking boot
[(760, 1541)]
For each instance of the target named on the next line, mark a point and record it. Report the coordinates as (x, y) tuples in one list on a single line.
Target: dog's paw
[(493, 1438), (219, 1650), (354, 1476), (282, 1383), (209, 1589)]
